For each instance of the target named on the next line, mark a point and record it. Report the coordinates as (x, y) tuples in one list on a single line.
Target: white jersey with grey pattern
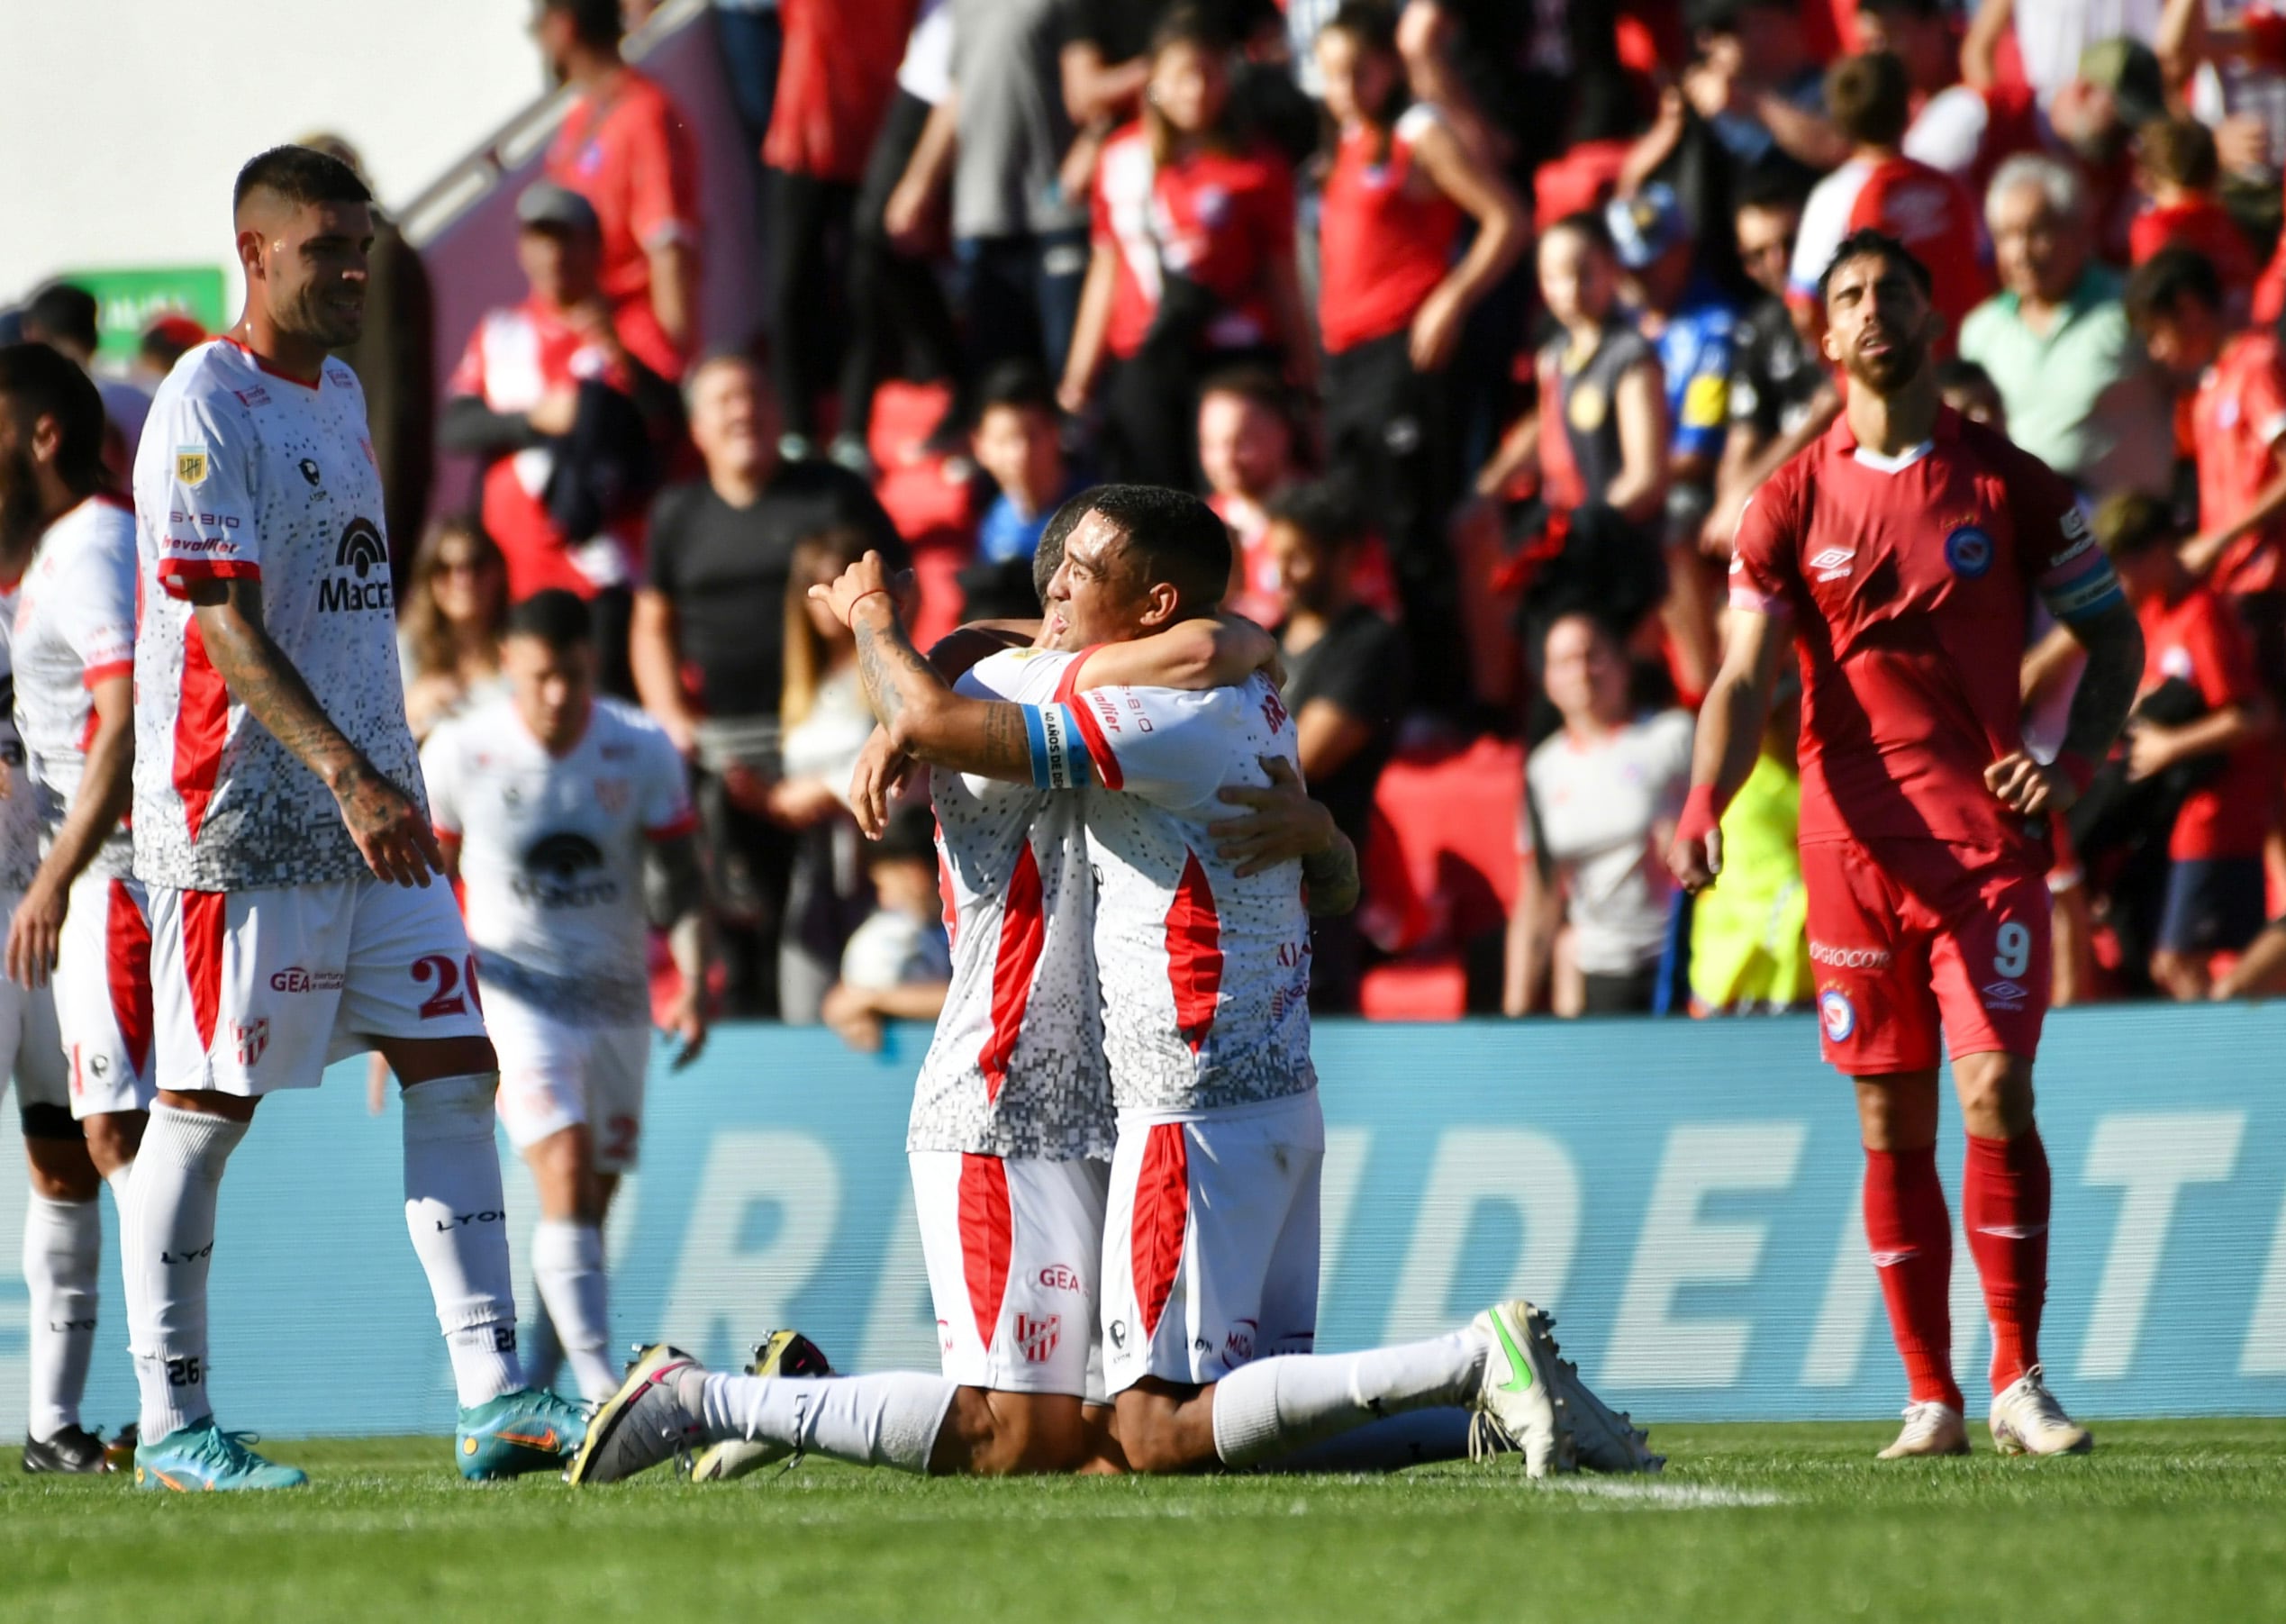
[(1017, 1067), (244, 472), (19, 813), (74, 627)]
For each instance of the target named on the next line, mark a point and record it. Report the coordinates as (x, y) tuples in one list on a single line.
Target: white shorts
[(103, 996), (256, 991), (554, 1076), (1210, 1240), (31, 1051), (1011, 1247)]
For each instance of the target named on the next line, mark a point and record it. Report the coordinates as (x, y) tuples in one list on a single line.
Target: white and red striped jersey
[(245, 472), (1205, 975), (1017, 1067), (74, 627), (18, 813), (552, 851)]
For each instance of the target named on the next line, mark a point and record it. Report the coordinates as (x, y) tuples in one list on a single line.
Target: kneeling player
[(546, 801)]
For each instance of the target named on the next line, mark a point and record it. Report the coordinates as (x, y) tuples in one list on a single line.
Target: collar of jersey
[(1841, 442)]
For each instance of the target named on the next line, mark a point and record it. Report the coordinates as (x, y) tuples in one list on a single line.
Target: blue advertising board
[(1684, 1195)]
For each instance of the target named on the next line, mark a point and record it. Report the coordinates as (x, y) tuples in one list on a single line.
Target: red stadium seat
[(1451, 820)]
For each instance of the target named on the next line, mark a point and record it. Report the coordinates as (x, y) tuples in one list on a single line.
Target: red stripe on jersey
[(684, 825), (1161, 1211), (945, 890), (202, 933), (200, 722), (127, 971), (177, 574), (1194, 953), (110, 668), (1099, 748), (1023, 937), (986, 1238)]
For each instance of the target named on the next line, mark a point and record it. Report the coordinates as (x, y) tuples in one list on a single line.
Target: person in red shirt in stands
[(549, 391), (1394, 295), (626, 147), (1902, 552), (1192, 263), (2215, 849), (2239, 435), (2178, 170), (1968, 130)]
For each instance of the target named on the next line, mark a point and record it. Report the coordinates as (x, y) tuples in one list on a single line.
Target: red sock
[(2004, 1207), (1911, 1235)]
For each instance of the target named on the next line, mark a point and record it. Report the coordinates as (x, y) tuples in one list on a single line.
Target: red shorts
[(1910, 937)]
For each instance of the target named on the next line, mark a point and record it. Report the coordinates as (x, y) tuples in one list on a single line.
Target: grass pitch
[(2166, 1521)]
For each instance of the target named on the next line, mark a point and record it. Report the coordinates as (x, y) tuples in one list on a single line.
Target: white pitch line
[(1676, 1496)]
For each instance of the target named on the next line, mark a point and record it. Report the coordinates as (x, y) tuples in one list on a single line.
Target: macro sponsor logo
[(1849, 958), (361, 552), (562, 870), (294, 978)]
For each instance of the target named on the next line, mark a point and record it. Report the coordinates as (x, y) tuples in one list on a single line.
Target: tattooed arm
[(389, 829), (2113, 638)]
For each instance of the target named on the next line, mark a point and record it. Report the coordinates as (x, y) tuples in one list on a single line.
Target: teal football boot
[(518, 1432), (203, 1457)]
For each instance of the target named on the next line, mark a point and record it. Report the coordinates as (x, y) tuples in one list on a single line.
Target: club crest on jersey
[(1838, 1014), (1037, 1334), (252, 1036), (612, 795), (190, 465), (1968, 552)]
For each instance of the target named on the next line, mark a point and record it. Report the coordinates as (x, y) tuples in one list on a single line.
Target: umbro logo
[(1833, 563)]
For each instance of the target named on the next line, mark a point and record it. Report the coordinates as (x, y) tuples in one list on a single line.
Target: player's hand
[(34, 932), (1283, 826), (2019, 782), (392, 834), (881, 773), (862, 579), (1696, 860), (686, 1020)]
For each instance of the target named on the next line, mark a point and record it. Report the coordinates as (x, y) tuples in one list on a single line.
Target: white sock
[(121, 1180), (168, 1248), (458, 1217), (568, 1266), (63, 1252), (1274, 1407), (879, 1420), (539, 1350), (1392, 1444)]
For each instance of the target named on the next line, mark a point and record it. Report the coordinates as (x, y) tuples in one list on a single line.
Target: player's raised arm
[(1729, 739), (389, 830)]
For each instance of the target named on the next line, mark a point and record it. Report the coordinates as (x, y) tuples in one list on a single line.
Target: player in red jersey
[(1902, 550)]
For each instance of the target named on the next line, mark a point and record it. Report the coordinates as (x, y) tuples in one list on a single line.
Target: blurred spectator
[(394, 358), (2177, 169), (2119, 89), (567, 417), (449, 627), (753, 41), (2055, 36), (899, 322), (898, 966), (2219, 724), (2080, 396), (165, 341), (1600, 797), (825, 722), (1019, 442), (2261, 969), (835, 81), (1192, 263), (1348, 680), (1749, 944), (626, 147), (2238, 433), (63, 317), (1519, 82), (709, 646), (1780, 397), (1966, 131), (1689, 321), (1968, 390), (1393, 299), (1752, 79), (1926, 209), (1245, 445)]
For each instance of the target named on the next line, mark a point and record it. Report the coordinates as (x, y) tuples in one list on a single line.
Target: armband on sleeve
[(1060, 754)]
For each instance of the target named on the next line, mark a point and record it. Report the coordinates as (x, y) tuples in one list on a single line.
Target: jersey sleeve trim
[(175, 575), (674, 829), (1099, 746), (110, 668), (1059, 752)]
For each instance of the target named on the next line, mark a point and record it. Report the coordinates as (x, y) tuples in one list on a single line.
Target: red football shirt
[(836, 76), (632, 154), (1933, 214), (2237, 419), (2198, 639), (1385, 235), (1909, 586), (2202, 225)]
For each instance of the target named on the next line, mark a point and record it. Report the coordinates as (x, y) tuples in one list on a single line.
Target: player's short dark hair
[(1170, 536), (1047, 557), (1324, 510), (47, 383), (596, 22), (2130, 523), (1018, 386), (1589, 225), (1870, 97), (1769, 186), (555, 616), (302, 176), (2157, 287), (1868, 242), (61, 311)]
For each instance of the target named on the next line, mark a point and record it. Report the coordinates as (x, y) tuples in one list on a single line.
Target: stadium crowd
[(1478, 323)]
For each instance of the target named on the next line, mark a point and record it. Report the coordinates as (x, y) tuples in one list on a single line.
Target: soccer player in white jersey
[(67, 627), (1202, 952), (547, 801), (279, 830)]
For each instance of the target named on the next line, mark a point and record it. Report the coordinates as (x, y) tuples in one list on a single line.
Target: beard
[(1885, 375), (21, 518), (311, 316)]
